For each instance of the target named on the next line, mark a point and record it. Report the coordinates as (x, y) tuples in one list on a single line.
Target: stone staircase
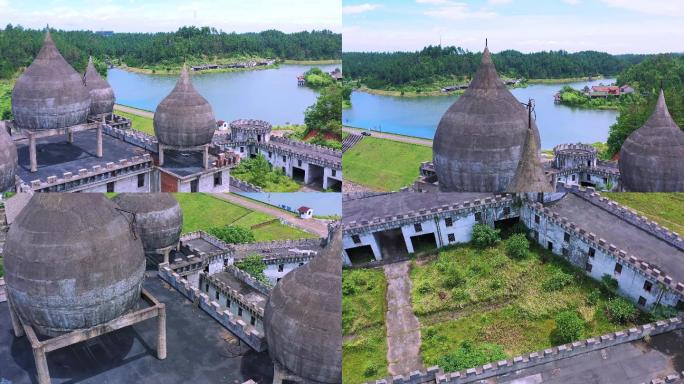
[(350, 141)]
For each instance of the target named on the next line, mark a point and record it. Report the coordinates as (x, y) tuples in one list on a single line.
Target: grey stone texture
[(158, 218), (101, 93), (8, 160)]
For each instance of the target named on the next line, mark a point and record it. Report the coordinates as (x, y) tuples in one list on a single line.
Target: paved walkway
[(134, 111), (391, 136), (318, 227), (403, 328)]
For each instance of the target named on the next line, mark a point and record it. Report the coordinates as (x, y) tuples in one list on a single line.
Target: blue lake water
[(419, 116), (323, 203), (272, 94)]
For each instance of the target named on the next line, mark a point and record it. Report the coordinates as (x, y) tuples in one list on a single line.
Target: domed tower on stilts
[(652, 157), (8, 160), (101, 93), (184, 120), (479, 140), (49, 99), (302, 319)]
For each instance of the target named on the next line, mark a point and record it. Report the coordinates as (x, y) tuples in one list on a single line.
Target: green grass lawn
[(202, 211), (666, 209), (139, 123), (364, 350), (382, 164), (500, 301)]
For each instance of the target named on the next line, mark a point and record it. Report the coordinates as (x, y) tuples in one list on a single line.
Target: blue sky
[(615, 26), (160, 15)]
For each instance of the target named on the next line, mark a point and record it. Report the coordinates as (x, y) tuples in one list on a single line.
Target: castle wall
[(126, 184), (231, 303)]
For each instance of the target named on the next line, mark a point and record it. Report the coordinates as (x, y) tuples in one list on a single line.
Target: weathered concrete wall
[(233, 302), (206, 183), (125, 184)]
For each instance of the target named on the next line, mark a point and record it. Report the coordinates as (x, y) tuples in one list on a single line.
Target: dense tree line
[(18, 46), (647, 77), (379, 70)]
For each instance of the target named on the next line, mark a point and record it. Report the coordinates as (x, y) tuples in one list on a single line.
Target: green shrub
[(557, 281), (621, 311), (424, 288), (517, 246), (233, 234), (593, 297), (485, 236), (348, 288), (569, 326), (609, 285), (469, 355), (254, 266), (660, 312), (519, 227), (452, 277), (371, 369)]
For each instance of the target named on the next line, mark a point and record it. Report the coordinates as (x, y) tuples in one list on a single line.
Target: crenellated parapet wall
[(255, 339), (233, 294), (243, 185), (137, 138), (249, 280), (546, 356), (311, 153), (465, 207)]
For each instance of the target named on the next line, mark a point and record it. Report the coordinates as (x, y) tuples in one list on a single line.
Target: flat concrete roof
[(250, 294), (197, 351), (202, 245), (56, 156), (629, 363), (185, 164), (624, 235), (365, 208)]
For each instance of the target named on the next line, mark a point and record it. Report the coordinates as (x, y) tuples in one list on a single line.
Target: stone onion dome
[(652, 157), (302, 319), (50, 93), (158, 218), (529, 176), (184, 118), (72, 261), (101, 93), (8, 160), (480, 138)]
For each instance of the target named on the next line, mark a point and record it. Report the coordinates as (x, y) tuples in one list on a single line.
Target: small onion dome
[(101, 93), (72, 261), (158, 218), (529, 176), (651, 159), (184, 118), (480, 138), (50, 93), (8, 160), (302, 319)]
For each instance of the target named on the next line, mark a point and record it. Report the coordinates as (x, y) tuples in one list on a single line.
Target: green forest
[(18, 46), (434, 64), (647, 77)]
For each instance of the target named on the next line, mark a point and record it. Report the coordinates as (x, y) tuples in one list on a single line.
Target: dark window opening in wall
[(141, 180), (278, 279), (300, 264), (270, 154), (565, 252), (648, 286), (252, 320), (418, 227), (536, 219), (566, 237), (240, 311), (110, 187), (507, 211), (283, 168), (281, 267), (451, 237), (218, 179), (206, 268), (605, 180), (227, 302), (680, 305), (549, 246), (588, 267), (588, 176), (478, 217), (618, 268), (535, 235), (194, 185), (356, 239), (206, 287), (592, 252), (334, 172), (284, 158), (216, 295), (448, 221), (242, 149), (573, 177), (299, 163), (642, 301)]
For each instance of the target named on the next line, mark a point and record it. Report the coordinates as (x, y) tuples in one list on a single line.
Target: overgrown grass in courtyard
[(384, 165), (477, 303), (364, 351), (667, 209), (202, 212), (139, 123)]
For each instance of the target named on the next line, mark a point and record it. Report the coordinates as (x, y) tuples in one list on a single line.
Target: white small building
[(305, 212), (222, 125)]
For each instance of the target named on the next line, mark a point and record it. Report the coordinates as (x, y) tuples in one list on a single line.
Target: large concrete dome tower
[(158, 218), (652, 157), (8, 160), (50, 94), (302, 319), (480, 138), (101, 93), (184, 118), (72, 261)]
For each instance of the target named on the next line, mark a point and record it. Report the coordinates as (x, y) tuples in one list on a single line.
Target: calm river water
[(322, 203), (419, 116), (272, 95)]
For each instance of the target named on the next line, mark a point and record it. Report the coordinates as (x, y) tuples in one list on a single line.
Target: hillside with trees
[(18, 46)]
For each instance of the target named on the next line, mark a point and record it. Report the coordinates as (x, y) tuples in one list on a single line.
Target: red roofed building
[(604, 91), (305, 212)]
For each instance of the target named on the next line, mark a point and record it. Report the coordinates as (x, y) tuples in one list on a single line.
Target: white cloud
[(434, 2), (499, 2), (361, 8), (660, 7), (458, 11), (571, 2)]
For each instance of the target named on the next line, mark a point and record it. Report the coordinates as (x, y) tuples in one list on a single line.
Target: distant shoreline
[(177, 70)]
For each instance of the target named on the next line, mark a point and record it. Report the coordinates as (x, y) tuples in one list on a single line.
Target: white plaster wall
[(366, 239), (272, 273)]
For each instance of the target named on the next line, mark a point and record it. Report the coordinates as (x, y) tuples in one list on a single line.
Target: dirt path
[(134, 111), (403, 328), (318, 227), (390, 136)]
